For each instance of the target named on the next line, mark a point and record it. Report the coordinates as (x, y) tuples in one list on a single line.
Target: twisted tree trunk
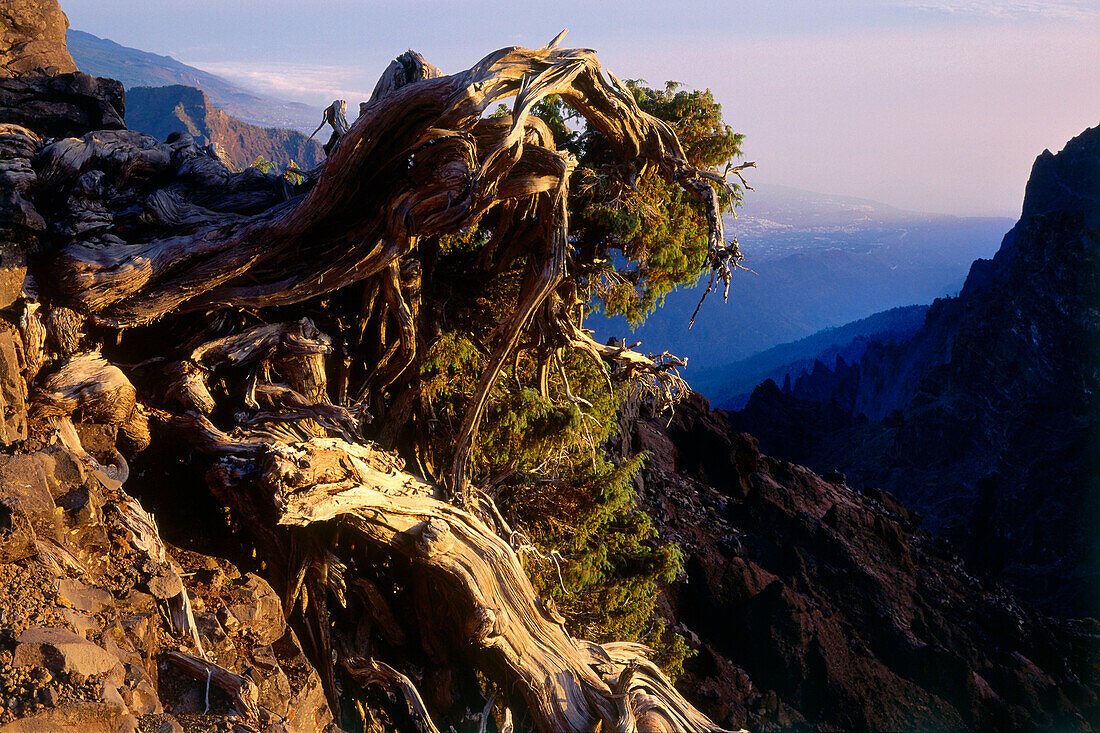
[(154, 230)]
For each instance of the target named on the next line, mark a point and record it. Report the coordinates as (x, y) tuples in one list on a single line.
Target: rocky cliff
[(136, 68), (40, 88), (160, 111), (987, 420), (32, 38), (815, 606)]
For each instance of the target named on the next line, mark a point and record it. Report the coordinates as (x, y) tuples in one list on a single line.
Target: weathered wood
[(510, 634), (371, 671), (180, 234), (241, 689)]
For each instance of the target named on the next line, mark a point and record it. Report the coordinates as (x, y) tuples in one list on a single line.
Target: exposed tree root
[(153, 231)]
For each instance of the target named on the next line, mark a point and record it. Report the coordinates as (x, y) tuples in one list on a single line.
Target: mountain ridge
[(137, 68), (986, 422), (161, 111)]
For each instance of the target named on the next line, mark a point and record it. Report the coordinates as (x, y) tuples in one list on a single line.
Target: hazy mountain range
[(730, 385), (818, 261), (135, 68), (986, 421)]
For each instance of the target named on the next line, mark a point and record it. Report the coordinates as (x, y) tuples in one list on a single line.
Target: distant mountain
[(820, 261), (988, 420), (160, 111), (136, 68), (729, 386)]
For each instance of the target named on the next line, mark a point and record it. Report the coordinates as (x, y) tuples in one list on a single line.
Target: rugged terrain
[(136, 68), (296, 554), (986, 421), (161, 111), (816, 606)]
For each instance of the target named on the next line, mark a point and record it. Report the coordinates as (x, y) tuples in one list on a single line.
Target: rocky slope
[(815, 606), (987, 420), (94, 607), (160, 111), (812, 605)]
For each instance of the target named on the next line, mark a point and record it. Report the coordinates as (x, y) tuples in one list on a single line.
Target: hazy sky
[(930, 105)]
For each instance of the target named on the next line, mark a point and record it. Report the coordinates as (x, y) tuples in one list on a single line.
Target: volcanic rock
[(987, 422), (32, 37), (819, 607)]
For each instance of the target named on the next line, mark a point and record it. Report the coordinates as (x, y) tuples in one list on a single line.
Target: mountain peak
[(1068, 181)]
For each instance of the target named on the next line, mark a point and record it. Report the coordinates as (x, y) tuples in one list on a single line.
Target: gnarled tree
[(292, 311)]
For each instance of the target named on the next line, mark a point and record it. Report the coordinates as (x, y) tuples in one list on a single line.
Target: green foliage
[(637, 241), (264, 165), (541, 455)]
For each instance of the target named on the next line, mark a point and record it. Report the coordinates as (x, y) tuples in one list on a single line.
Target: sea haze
[(818, 261)]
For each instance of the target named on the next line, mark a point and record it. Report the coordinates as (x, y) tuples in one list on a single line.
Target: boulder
[(60, 650), (82, 717), (82, 597), (66, 105), (24, 490), (258, 611), (16, 533), (33, 38)]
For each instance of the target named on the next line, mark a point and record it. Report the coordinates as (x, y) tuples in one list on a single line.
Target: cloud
[(1009, 9), (316, 84)]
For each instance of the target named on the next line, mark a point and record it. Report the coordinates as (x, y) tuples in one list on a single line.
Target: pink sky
[(929, 105)]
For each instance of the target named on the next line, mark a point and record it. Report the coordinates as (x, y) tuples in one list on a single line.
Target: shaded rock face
[(161, 111), (817, 607), (40, 87), (64, 105), (94, 607), (987, 421), (32, 37)]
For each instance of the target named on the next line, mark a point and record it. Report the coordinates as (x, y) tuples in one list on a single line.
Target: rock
[(166, 584), (142, 699), (78, 717), (66, 105), (82, 506), (219, 647), (310, 708), (13, 271), (16, 533), (13, 399), (82, 622), (48, 696), (60, 650), (259, 611), (33, 38), (24, 490), (831, 598), (274, 691), (164, 724), (68, 471)]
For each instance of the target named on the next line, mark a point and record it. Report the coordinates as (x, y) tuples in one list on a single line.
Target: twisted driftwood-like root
[(163, 235), (419, 161), (563, 684)]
